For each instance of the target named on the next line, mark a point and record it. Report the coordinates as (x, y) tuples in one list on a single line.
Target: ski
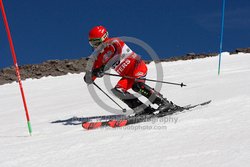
[(146, 118), (91, 125), (136, 119), (185, 108), (95, 123)]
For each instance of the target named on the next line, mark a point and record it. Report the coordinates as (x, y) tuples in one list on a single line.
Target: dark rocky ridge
[(62, 67), (48, 68)]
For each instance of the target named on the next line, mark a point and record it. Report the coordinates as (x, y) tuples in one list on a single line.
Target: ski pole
[(152, 80), (123, 109)]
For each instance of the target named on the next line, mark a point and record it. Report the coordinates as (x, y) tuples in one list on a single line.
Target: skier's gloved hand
[(99, 72), (88, 77)]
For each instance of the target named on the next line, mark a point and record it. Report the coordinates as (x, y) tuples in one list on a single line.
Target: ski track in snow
[(214, 135)]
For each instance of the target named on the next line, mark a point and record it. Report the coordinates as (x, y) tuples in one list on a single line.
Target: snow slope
[(214, 135)]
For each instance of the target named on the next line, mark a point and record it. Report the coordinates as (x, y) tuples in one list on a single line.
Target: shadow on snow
[(79, 120)]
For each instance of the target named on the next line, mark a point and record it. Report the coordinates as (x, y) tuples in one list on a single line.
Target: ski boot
[(165, 105), (154, 97)]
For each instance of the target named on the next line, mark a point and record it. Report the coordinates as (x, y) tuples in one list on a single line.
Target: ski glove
[(88, 77), (99, 72)]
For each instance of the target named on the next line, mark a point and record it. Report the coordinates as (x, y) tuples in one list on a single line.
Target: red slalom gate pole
[(15, 64)]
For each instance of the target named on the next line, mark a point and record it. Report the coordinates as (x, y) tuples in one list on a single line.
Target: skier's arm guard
[(115, 58)]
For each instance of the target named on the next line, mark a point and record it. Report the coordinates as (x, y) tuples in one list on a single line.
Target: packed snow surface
[(214, 135)]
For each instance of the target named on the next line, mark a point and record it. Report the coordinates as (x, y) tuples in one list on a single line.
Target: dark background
[(58, 29)]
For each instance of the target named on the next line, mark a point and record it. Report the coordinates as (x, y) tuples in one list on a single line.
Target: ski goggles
[(95, 42)]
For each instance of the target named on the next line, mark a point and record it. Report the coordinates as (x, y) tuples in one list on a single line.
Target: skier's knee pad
[(137, 86)]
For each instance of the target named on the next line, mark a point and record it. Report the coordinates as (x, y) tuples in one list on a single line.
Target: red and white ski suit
[(127, 63)]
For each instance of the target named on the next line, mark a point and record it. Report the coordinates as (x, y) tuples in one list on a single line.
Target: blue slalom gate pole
[(222, 32)]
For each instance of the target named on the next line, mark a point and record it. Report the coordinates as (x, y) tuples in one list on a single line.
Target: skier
[(117, 55)]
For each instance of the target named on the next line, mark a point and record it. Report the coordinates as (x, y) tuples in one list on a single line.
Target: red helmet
[(97, 35)]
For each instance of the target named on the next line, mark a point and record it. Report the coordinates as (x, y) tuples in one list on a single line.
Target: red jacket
[(119, 56)]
